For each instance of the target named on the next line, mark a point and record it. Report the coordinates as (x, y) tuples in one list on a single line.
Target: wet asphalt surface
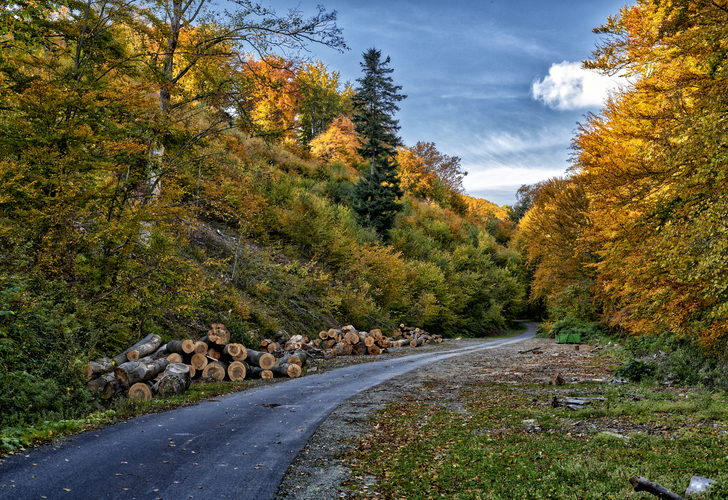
[(238, 446)]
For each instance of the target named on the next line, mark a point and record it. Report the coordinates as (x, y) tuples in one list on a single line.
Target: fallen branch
[(642, 484), (529, 350)]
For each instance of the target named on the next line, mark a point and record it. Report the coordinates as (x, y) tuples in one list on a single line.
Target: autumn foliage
[(640, 223)]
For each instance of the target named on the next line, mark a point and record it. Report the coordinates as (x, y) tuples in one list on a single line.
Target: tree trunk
[(415, 343), (181, 346), (132, 372), (175, 358), (237, 352), (352, 338), (174, 381), (291, 370), (256, 372), (201, 347), (298, 357), (264, 360), (96, 368), (384, 342), (214, 353), (121, 358), (219, 334), (199, 361), (324, 335), (238, 370), (374, 350), (215, 369), (140, 392), (145, 349), (273, 346), (107, 386), (359, 349)]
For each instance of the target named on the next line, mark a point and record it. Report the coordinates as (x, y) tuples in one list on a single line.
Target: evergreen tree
[(375, 103)]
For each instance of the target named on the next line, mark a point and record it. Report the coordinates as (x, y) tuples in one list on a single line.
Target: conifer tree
[(375, 102)]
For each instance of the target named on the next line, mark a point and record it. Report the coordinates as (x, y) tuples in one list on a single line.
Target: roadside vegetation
[(507, 440)]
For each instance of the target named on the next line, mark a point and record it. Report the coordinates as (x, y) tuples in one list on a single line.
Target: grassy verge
[(506, 441)]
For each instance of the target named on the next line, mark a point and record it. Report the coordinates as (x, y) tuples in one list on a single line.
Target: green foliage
[(637, 370), (571, 324)]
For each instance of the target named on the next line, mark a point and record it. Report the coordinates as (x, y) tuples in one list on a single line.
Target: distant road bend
[(238, 446)]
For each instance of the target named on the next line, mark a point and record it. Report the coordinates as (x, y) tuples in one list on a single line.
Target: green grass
[(424, 449)]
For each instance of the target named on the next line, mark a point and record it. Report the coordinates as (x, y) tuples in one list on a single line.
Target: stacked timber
[(148, 368)]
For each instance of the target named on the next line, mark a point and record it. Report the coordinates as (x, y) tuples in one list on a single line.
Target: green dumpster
[(568, 338)]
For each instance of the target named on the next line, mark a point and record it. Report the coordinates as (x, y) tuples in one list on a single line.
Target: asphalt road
[(237, 446)]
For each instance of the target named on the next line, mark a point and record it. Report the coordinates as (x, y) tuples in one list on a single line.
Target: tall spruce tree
[(375, 102)]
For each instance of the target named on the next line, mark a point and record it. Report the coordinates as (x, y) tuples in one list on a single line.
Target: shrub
[(637, 370)]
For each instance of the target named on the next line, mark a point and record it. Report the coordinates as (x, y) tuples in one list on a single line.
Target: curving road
[(231, 447)]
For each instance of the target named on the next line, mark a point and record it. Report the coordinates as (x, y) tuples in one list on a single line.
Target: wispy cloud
[(568, 87), (505, 159)]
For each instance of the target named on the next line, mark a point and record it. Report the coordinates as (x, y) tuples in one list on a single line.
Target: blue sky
[(496, 83)]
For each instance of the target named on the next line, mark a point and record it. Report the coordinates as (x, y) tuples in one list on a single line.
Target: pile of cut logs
[(148, 368), (349, 341)]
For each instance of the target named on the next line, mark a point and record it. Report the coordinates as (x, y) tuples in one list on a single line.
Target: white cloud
[(568, 86)]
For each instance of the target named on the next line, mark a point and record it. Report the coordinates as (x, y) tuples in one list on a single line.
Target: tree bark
[(264, 360), (107, 386), (145, 349), (96, 368), (131, 372), (256, 372), (181, 346), (174, 381), (121, 358), (642, 484), (291, 370)]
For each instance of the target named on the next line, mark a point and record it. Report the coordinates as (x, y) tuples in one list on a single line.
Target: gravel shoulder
[(319, 471)]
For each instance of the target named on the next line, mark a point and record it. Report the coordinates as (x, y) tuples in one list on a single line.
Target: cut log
[(199, 361), (97, 368), (335, 335), (218, 334), (299, 358), (233, 350), (273, 346), (121, 358), (642, 484), (131, 372), (358, 349), (374, 350), (384, 342), (214, 353), (215, 369), (416, 342), (175, 358), (256, 372), (181, 347), (140, 392), (144, 349), (201, 347), (324, 335), (193, 372), (174, 381), (352, 338), (376, 333), (243, 353), (107, 386), (264, 360), (369, 341), (290, 370), (238, 370), (264, 343)]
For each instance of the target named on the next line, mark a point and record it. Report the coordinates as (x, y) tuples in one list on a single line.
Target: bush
[(573, 325), (637, 370)]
